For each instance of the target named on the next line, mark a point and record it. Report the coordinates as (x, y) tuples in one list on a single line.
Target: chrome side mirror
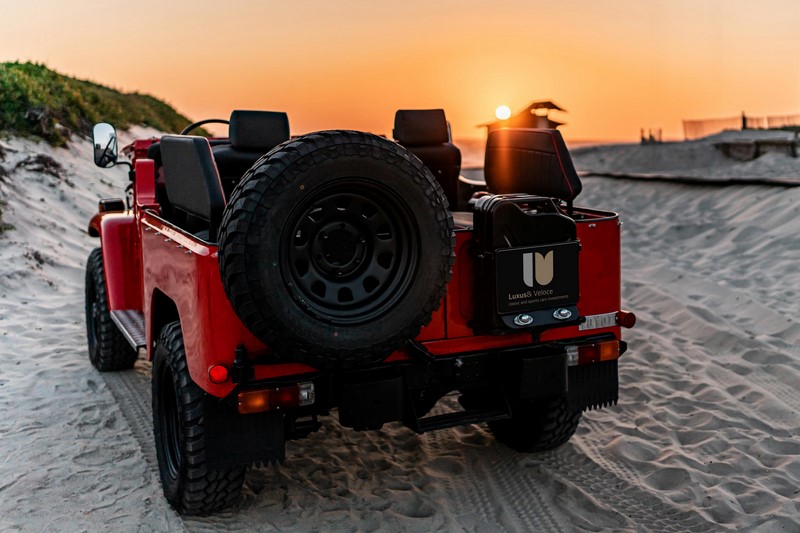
[(104, 139)]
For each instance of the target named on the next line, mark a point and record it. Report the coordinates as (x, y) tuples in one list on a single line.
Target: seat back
[(424, 133), (252, 134), (192, 184), (530, 161)]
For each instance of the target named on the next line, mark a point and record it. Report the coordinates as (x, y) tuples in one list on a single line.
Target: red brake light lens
[(218, 374)]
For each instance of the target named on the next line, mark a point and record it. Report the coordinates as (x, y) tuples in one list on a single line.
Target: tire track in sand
[(131, 390), (523, 491), (495, 489), (644, 511)]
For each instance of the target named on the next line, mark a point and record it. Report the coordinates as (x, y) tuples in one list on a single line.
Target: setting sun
[(502, 112)]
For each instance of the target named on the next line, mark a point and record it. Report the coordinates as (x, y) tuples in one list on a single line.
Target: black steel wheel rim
[(170, 426), (350, 251)]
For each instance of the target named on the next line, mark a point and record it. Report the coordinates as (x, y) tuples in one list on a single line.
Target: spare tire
[(336, 248)]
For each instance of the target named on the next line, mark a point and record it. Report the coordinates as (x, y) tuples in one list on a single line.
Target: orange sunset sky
[(616, 66)]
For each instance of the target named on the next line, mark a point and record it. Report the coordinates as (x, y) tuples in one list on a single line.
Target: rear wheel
[(537, 426), (108, 348), (189, 484)]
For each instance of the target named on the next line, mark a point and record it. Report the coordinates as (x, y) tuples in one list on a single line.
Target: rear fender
[(120, 260)]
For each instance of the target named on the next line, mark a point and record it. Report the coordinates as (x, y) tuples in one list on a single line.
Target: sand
[(705, 436)]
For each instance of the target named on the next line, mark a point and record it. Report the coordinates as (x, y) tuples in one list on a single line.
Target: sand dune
[(705, 436), (698, 158)]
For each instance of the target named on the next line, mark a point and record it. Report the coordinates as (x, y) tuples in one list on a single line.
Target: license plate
[(599, 321), (537, 277)]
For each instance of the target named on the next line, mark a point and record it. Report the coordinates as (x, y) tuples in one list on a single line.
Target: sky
[(615, 65)]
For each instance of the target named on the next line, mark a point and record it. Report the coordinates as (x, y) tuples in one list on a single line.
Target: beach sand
[(704, 438)]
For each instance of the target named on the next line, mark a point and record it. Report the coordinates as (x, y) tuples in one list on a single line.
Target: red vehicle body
[(157, 273)]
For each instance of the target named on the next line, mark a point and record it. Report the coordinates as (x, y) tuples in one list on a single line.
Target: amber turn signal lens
[(253, 402), (608, 350), (599, 351), (297, 395)]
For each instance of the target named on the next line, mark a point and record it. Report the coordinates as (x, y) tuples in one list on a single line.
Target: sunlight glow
[(502, 112)]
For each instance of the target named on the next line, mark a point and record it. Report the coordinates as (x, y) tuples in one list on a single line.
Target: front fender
[(119, 237), (94, 226)]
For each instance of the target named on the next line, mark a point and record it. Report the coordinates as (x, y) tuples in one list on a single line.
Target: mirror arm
[(129, 193), (131, 172), (130, 167)]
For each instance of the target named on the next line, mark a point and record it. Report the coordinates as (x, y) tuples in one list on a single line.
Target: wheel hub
[(339, 248)]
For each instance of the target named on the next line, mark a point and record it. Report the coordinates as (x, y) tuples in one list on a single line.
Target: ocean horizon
[(473, 149)]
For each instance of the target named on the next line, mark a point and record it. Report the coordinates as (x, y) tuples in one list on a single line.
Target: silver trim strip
[(606, 320)]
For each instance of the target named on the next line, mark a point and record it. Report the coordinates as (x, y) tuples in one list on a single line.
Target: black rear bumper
[(368, 398), (488, 383)]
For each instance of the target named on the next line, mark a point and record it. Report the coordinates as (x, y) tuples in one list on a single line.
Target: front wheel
[(537, 426), (108, 349), (190, 486)]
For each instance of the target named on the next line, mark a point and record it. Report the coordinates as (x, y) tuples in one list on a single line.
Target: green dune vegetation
[(39, 102)]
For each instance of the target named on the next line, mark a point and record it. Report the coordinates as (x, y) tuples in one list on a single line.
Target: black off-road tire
[(336, 248), (108, 349), (190, 486), (536, 426)]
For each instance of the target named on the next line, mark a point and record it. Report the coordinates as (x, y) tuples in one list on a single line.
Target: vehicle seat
[(154, 153), (252, 134), (425, 133), (192, 185), (530, 161)]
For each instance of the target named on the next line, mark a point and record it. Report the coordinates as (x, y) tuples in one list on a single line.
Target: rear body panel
[(185, 269)]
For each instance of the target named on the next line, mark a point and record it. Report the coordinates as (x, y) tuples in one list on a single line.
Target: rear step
[(495, 409), (131, 323), (461, 418)]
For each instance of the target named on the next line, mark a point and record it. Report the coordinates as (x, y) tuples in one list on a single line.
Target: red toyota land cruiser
[(273, 279)]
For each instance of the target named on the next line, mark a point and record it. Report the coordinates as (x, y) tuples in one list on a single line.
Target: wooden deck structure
[(535, 115)]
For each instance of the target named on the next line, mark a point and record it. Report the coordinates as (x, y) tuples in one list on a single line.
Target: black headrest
[(154, 153), (258, 130), (191, 178), (416, 127), (531, 161)]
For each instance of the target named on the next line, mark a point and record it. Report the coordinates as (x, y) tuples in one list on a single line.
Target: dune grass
[(39, 102)]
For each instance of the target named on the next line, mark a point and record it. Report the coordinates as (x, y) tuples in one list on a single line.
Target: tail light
[(218, 374), (626, 319), (592, 353), (276, 398)]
